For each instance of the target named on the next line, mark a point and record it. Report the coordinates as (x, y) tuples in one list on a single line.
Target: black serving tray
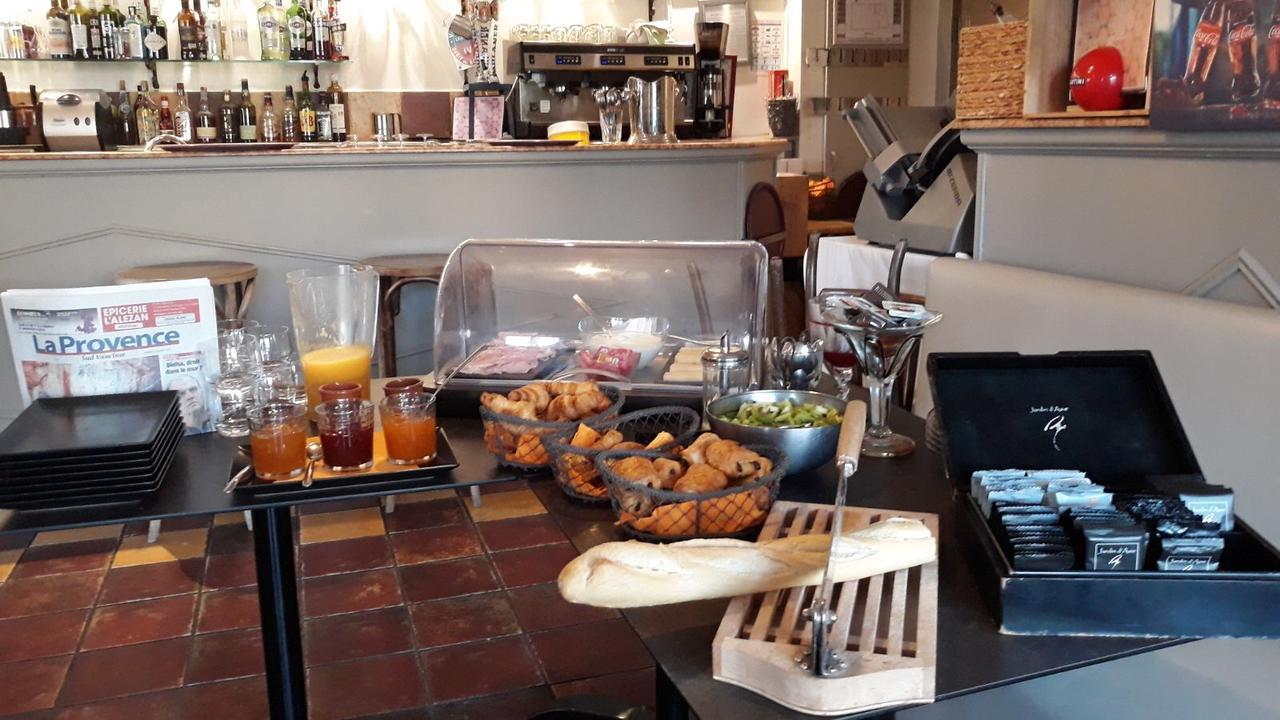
[(56, 472), (1120, 427), (444, 461), (103, 494), (113, 427)]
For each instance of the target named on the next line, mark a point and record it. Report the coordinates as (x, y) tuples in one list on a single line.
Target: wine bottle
[(57, 32), (270, 131), (338, 109), (228, 126), (289, 130), (206, 124), (248, 115)]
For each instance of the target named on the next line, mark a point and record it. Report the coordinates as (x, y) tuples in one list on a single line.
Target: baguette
[(635, 574)]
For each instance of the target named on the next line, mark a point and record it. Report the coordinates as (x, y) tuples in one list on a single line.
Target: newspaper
[(118, 339)]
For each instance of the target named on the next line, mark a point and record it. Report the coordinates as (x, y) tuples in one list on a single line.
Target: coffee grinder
[(711, 118)]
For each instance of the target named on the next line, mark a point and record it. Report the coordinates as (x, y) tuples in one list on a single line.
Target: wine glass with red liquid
[(837, 353)]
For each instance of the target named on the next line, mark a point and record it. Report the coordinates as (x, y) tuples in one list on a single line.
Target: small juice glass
[(409, 427), (278, 436), (346, 434)]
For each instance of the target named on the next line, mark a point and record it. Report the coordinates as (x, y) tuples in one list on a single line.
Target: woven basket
[(503, 434), (665, 515), (575, 468), (991, 72)]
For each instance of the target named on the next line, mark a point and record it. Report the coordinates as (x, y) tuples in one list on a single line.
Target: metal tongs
[(825, 658)]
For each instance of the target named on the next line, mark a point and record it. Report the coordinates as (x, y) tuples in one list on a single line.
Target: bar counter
[(76, 219)]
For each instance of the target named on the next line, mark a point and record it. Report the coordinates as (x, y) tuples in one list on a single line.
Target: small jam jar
[(409, 428), (346, 433)]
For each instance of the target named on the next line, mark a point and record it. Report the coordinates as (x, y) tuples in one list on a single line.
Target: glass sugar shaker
[(726, 370)]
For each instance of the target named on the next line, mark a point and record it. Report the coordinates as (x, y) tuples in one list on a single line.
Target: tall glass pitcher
[(335, 317)]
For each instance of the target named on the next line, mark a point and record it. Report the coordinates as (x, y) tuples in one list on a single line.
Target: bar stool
[(232, 281), (395, 272), (232, 292)]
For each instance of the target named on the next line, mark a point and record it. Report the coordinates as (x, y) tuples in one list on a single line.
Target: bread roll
[(635, 574)]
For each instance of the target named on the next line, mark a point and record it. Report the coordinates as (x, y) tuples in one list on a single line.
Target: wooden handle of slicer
[(854, 427)]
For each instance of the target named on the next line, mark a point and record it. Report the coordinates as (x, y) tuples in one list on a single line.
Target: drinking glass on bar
[(409, 428), (335, 316), (234, 385), (279, 381), (270, 343), (346, 434), (278, 437)]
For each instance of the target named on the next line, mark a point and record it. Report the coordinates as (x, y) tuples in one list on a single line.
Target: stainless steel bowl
[(806, 448)]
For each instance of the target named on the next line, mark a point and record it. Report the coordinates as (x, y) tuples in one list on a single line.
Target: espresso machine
[(76, 120), (554, 82), (712, 109)]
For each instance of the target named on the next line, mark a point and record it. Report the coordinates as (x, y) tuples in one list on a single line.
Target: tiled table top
[(437, 610)]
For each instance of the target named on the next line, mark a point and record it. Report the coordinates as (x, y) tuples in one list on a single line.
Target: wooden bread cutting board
[(890, 623)]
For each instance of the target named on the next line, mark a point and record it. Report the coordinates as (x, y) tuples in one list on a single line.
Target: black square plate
[(108, 425), (11, 486)]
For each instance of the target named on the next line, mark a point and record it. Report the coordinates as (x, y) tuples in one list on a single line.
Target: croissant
[(668, 471), (571, 388), (503, 406), (702, 479), (694, 453), (565, 408), (535, 393), (637, 470), (736, 461)]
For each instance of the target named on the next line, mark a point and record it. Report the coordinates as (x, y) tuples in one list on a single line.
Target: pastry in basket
[(695, 453), (506, 406), (702, 479), (537, 393), (565, 408), (539, 402), (737, 462)]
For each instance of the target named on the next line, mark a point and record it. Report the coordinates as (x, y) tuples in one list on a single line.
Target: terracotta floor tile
[(425, 496), (194, 522), (343, 556), (465, 619), (586, 651), (20, 541), (433, 513), (176, 545), (231, 518), (223, 656), (8, 561), (505, 505), (540, 607), (60, 537), (483, 668), (533, 566), (333, 506), (31, 684), (63, 559), (152, 581), (432, 544), (49, 594), (164, 704), (365, 687), (140, 622), (502, 487), (128, 670), (634, 686), (230, 571), (352, 592), (519, 533), (229, 539), (434, 581), (244, 699), (518, 704), (327, 527), (40, 636), (228, 610), (357, 635)]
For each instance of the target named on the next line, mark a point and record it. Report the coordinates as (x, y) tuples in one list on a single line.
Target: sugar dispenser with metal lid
[(726, 370)]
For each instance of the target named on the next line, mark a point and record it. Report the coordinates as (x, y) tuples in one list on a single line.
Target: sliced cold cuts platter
[(504, 361)]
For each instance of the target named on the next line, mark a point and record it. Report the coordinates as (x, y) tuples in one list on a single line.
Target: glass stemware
[(837, 353)]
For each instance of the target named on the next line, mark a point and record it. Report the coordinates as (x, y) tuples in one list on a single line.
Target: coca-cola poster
[(1217, 65)]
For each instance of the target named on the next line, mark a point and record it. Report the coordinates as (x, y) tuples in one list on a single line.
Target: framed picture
[(1217, 65), (1122, 24)]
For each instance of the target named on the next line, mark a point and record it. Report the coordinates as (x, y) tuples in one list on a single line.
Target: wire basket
[(575, 468), (665, 515), (508, 437)]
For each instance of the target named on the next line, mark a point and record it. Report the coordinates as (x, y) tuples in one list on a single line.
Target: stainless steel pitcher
[(653, 119)]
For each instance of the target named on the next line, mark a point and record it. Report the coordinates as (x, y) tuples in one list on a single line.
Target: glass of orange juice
[(409, 428), (335, 318), (278, 437)]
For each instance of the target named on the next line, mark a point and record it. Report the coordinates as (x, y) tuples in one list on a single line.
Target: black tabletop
[(202, 466), (972, 655)]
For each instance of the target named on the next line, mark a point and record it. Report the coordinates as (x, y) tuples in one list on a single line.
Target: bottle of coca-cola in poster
[(1204, 48), (1271, 99), (1242, 39)]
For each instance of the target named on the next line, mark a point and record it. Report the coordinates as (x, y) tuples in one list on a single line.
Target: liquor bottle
[(289, 130), (206, 124), (267, 124), (148, 115), (296, 23), (306, 113), (110, 32), (308, 9), (324, 119), (202, 38), (248, 115), (271, 29), (237, 23), (131, 34), (215, 36), (78, 18), (338, 109), (1204, 48), (1242, 43), (94, 22), (182, 125), (228, 127), (321, 30), (126, 123), (337, 33), (58, 32), (1272, 98), (166, 117), (156, 41), (188, 33)]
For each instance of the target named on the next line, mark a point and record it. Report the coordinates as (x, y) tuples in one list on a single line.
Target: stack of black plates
[(89, 450)]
